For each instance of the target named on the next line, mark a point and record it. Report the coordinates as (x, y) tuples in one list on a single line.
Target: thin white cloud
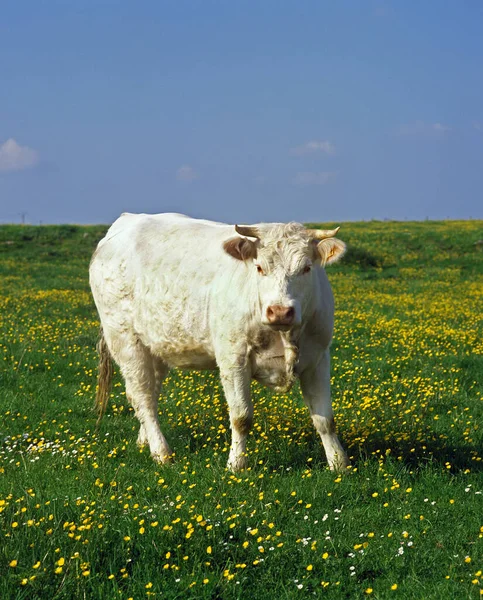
[(186, 173), (440, 127), (314, 146), (423, 129), (314, 178), (478, 126), (14, 157)]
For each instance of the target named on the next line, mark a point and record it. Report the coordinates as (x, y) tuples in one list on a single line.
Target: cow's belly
[(190, 361), (189, 356)]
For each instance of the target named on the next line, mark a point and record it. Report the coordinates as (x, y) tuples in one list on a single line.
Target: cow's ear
[(329, 250), (240, 248)]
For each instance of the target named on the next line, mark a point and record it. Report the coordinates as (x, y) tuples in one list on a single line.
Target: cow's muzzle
[(280, 317)]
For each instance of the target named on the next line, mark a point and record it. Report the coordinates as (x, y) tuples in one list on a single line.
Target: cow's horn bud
[(248, 231), (322, 234)]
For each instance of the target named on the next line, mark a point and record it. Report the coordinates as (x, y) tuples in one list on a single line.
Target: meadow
[(85, 514)]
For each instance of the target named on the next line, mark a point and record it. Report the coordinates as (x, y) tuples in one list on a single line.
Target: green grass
[(85, 514)]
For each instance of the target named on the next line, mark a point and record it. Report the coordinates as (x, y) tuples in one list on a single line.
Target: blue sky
[(241, 111)]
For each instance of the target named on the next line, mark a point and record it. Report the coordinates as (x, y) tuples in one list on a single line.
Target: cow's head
[(284, 258)]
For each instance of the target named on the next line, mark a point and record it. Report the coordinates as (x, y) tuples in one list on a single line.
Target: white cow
[(253, 301)]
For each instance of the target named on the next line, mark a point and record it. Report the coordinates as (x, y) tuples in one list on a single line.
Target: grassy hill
[(85, 513)]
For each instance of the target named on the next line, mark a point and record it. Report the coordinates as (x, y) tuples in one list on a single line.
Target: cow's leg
[(136, 364), (160, 372), (236, 385), (315, 383)]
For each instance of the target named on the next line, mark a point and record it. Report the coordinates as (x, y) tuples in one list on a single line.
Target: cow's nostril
[(290, 312), (270, 313)]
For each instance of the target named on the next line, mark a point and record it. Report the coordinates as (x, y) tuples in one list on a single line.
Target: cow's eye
[(306, 269), (260, 270)]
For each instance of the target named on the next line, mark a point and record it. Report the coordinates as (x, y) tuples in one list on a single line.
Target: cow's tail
[(104, 377)]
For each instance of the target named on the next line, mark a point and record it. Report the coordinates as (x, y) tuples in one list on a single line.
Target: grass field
[(86, 514)]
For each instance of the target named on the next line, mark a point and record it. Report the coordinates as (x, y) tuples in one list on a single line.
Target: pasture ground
[(86, 514)]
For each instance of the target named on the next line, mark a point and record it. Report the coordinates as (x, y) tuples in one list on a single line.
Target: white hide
[(169, 295)]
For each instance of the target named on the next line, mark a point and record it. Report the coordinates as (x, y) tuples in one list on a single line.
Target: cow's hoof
[(163, 458), (237, 464), (142, 439), (339, 464)]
